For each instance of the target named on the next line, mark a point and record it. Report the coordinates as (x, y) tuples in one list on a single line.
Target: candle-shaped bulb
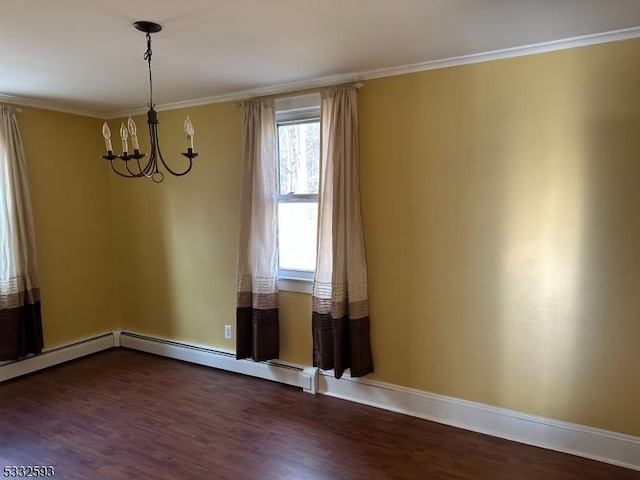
[(106, 133), (131, 126), (188, 129), (124, 135)]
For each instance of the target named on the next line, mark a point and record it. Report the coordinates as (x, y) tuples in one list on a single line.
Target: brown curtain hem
[(257, 334), (342, 343), (21, 332)]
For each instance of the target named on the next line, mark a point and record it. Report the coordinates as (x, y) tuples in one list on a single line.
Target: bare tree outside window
[(299, 151)]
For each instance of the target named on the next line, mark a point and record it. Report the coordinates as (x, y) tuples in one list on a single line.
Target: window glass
[(299, 153), (297, 227)]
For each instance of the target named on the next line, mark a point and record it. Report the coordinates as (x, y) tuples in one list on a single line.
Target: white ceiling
[(85, 55)]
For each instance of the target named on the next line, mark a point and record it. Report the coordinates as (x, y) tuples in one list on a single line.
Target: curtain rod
[(358, 84)]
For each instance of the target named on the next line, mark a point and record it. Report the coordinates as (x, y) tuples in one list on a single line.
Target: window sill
[(299, 285)]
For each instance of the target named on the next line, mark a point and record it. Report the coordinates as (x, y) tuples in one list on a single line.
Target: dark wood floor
[(122, 414)]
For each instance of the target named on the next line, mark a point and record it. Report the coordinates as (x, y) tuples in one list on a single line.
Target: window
[(298, 140)]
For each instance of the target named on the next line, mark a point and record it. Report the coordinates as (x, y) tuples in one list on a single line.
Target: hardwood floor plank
[(122, 414)]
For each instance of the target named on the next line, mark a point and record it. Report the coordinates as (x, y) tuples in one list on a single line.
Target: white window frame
[(292, 110)]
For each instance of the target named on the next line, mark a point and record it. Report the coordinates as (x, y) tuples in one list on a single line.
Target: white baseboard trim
[(55, 356), (602, 445), (116, 338), (289, 374)]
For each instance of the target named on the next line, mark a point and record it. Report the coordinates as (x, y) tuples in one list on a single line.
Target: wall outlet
[(227, 331)]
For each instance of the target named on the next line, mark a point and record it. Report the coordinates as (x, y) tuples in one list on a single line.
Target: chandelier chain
[(147, 57)]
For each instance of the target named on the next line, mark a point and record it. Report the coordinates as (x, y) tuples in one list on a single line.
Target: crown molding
[(48, 105), (505, 53), (513, 52)]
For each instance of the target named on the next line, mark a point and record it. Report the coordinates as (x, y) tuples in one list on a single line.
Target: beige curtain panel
[(20, 319), (340, 320), (257, 327)]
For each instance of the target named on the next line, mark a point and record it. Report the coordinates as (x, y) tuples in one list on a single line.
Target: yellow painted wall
[(176, 242), (72, 215), (501, 220), (499, 203)]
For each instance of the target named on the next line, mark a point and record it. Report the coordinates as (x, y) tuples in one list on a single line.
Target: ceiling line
[(532, 49)]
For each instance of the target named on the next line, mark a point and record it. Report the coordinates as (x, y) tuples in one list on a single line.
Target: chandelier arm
[(149, 168), (152, 166), (173, 172), (157, 152), (141, 169), (132, 175), (156, 175)]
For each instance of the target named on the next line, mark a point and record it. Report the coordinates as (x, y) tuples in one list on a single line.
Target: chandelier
[(133, 166)]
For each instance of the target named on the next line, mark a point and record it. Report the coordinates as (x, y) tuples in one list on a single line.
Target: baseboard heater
[(305, 378), (55, 356)]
